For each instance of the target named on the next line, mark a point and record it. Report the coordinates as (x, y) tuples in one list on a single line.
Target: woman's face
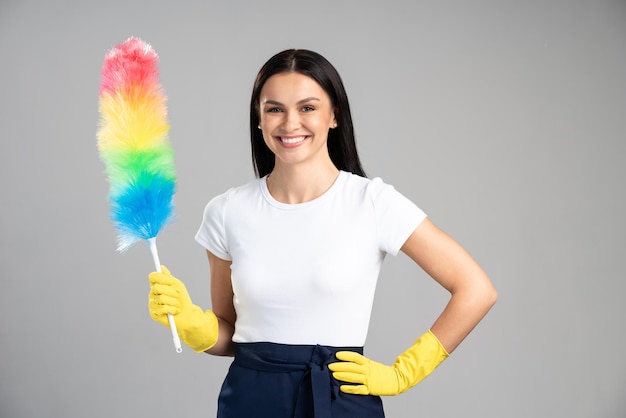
[(295, 115)]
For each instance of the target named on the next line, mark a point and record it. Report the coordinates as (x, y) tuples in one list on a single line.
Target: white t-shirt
[(306, 273)]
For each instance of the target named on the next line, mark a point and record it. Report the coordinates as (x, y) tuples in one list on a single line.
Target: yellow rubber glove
[(371, 378), (168, 295)]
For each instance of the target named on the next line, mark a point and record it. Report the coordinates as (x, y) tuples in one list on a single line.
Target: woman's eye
[(308, 108), (273, 110)]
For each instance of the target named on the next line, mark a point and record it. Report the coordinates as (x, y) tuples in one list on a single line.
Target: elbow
[(490, 296), (494, 296), (484, 295)]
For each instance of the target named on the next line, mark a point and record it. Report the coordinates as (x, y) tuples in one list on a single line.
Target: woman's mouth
[(292, 140)]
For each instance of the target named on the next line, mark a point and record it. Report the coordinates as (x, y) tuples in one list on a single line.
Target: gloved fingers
[(355, 389), (157, 306), (164, 300), (165, 279), (352, 357), (173, 304), (164, 290), (161, 319), (164, 276), (157, 277), (350, 377), (159, 312), (347, 366)]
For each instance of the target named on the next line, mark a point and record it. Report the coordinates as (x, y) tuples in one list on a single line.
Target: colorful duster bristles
[(133, 144)]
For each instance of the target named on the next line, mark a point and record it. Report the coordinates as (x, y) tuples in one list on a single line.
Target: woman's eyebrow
[(308, 99), (277, 103)]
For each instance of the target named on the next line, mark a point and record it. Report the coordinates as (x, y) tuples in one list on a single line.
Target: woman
[(294, 257)]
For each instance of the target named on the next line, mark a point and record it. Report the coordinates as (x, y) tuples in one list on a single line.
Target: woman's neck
[(298, 184)]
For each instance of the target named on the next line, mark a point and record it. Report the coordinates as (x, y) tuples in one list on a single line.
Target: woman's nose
[(291, 122)]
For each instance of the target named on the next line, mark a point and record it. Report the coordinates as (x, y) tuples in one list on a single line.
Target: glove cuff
[(201, 331), (419, 360)]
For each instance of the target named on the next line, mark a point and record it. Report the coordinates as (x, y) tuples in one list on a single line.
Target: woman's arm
[(472, 293), (472, 297), (222, 305)]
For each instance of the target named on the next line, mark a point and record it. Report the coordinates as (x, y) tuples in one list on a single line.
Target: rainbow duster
[(133, 144)]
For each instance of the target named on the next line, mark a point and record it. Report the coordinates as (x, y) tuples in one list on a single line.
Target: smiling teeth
[(292, 140)]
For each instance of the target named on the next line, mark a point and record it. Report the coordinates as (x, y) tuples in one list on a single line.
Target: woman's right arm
[(222, 305)]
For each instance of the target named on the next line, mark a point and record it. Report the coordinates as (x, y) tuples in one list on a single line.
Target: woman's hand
[(168, 295), (372, 378)]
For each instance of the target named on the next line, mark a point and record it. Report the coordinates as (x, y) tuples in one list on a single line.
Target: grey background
[(503, 120)]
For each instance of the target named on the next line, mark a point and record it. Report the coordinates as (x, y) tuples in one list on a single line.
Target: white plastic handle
[(170, 317)]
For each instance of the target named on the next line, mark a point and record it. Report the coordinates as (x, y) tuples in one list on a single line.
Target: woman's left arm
[(472, 293), (472, 296)]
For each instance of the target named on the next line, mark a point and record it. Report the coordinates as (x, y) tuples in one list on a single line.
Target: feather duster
[(134, 145)]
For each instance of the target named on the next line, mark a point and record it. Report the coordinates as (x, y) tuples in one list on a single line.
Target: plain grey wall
[(503, 120)]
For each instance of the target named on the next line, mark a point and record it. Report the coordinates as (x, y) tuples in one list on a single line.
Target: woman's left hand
[(369, 377)]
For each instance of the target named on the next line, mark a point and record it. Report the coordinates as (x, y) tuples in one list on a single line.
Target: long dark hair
[(341, 141)]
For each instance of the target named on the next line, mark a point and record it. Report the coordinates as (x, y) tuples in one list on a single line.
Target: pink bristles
[(132, 63)]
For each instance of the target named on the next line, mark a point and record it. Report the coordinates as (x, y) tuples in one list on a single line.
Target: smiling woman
[(295, 118), (316, 69), (295, 255)]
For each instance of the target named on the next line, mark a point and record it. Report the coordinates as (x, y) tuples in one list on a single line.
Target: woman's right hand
[(168, 295)]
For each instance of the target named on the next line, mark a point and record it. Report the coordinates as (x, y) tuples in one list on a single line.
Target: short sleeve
[(212, 232), (396, 216)]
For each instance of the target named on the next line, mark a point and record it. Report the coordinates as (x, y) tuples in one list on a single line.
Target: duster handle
[(170, 317)]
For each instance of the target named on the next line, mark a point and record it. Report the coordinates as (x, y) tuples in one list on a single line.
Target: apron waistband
[(313, 360)]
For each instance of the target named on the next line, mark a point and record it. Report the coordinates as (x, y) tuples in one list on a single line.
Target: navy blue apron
[(268, 380)]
